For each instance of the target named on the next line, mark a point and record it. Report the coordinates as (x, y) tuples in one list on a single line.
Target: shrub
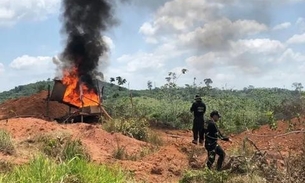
[(72, 149), (62, 148), (6, 144), (135, 128), (120, 153), (206, 175)]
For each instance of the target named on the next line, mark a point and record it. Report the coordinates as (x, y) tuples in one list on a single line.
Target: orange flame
[(74, 89)]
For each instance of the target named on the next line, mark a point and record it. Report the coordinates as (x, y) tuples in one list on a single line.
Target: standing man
[(211, 145), (198, 108)]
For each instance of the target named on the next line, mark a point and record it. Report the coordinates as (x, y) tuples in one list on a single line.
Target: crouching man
[(211, 145)]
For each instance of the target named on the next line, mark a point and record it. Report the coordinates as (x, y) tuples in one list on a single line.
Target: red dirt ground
[(32, 106), (165, 164)]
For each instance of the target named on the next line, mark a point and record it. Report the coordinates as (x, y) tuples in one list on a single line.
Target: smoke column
[(84, 21)]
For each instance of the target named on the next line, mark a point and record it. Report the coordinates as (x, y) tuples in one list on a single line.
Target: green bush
[(72, 149), (6, 144), (135, 128), (62, 148)]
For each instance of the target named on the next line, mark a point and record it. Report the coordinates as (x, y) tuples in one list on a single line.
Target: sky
[(236, 43)]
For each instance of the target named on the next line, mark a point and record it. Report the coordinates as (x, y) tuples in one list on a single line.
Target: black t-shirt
[(213, 133), (198, 108)]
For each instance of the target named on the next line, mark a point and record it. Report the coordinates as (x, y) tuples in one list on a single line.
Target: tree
[(250, 87), (149, 85), (112, 80), (120, 80), (194, 82), (172, 78), (298, 86), (208, 82), (183, 71)]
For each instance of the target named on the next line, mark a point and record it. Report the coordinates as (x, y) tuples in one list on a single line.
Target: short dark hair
[(213, 113)]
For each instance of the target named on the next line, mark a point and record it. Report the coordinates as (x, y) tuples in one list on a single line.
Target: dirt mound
[(33, 106), (287, 137), (100, 144)]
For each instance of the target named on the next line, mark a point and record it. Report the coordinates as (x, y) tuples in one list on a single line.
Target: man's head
[(215, 115), (198, 98)]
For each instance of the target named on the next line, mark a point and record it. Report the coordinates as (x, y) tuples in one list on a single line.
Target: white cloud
[(223, 78), (147, 29), (26, 62), (297, 39), (26, 69), (109, 42), (217, 34), (281, 26), (290, 56), (138, 68), (142, 62), (205, 62), (180, 15), (265, 46), (13, 11), (216, 42), (252, 57)]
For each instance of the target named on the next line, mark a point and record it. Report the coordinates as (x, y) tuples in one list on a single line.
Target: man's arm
[(220, 136), (205, 108), (224, 138), (192, 109)]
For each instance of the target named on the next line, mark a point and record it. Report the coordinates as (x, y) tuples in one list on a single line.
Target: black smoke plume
[(83, 23)]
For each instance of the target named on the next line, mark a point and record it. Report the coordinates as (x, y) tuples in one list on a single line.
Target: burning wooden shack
[(75, 93)]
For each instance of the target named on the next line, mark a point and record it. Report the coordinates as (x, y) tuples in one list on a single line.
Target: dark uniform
[(211, 145), (198, 108)]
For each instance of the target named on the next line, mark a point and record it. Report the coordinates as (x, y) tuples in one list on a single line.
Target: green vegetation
[(43, 169), (137, 128), (6, 144), (25, 90), (63, 149), (168, 106), (206, 175), (244, 109)]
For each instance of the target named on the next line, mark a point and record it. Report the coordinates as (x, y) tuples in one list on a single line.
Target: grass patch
[(134, 128), (246, 178), (6, 144), (72, 149), (154, 138), (206, 175), (120, 153), (62, 149), (43, 169)]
